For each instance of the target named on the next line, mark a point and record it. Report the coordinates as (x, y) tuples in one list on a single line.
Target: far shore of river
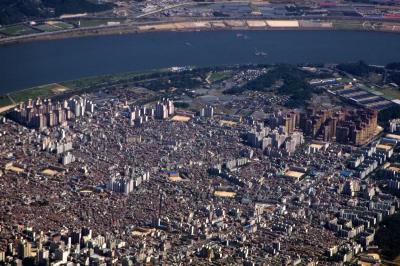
[(203, 25)]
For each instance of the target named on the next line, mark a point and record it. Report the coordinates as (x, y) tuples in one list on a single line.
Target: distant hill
[(13, 11)]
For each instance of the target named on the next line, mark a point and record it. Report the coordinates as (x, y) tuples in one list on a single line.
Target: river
[(30, 64)]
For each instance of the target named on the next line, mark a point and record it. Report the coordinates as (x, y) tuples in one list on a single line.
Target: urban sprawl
[(97, 179)]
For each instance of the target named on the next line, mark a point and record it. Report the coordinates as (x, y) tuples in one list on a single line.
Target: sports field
[(17, 30)]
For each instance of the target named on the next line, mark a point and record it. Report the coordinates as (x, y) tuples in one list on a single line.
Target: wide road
[(193, 4)]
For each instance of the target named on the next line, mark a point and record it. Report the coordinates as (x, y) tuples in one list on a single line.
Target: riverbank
[(70, 87), (209, 25)]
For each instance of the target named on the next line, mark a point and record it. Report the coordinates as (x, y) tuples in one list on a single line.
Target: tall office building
[(358, 127), (346, 126), (207, 111), (127, 183), (161, 111), (24, 249), (164, 109), (44, 113), (170, 107)]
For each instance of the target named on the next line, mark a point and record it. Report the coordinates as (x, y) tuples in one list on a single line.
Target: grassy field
[(218, 76), (348, 25), (61, 25), (4, 101), (31, 93), (17, 30), (371, 90), (85, 82), (103, 80), (52, 26), (21, 29), (35, 92), (390, 92), (50, 90), (47, 28)]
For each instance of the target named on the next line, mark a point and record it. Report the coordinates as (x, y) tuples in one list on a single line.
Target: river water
[(30, 64)]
